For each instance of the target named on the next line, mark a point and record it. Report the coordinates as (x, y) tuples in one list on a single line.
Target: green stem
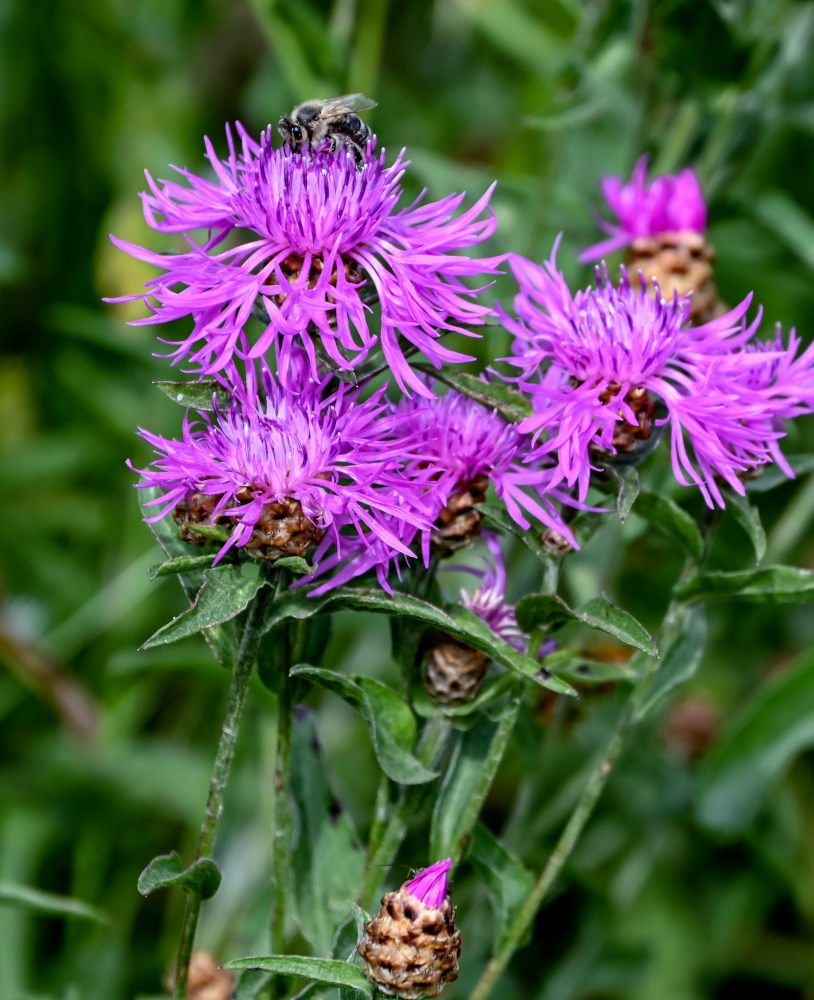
[(221, 768), (671, 626), (430, 750), (281, 836)]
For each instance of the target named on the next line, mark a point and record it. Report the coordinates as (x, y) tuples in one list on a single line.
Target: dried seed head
[(681, 261), (282, 529), (454, 671), (459, 523), (411, 948)]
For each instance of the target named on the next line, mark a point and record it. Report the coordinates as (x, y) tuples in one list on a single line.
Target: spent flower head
[(289, 469), (306, 242), (671, 203), (596, 363)]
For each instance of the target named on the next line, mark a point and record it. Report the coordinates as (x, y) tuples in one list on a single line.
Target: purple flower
[(459, 447), (488, 601), (290, 469), (668, 204), (595, 363), (430, 885), (306, 242)]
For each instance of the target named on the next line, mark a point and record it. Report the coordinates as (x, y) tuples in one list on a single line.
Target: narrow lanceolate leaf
[(219, 638), (199, 395), (551, 611), (391, 723), (776, 725), (200, 879), (458, 622), (319, 970), (467, 780), (182, 564), (29, 898), (223, 595), (773, 584), (583, 670), (680, 661), (772, 475), (748, 517), (507, 881), (327, 861), (666, 515), (510, 404)]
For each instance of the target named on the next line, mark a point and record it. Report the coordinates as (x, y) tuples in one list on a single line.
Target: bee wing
[(347, 103)]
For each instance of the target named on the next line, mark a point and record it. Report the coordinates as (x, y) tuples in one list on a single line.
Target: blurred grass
[(546, 98)]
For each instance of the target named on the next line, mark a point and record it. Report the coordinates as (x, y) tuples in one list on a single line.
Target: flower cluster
[(597, 364), (305, 243)]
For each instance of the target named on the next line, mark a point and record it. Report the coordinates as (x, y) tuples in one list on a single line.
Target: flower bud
[(454, 671), (411, 948)]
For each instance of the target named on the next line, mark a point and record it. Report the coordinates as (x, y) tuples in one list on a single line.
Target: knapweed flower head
[(459, 447), (411, 948), (595, 364), (672, 203), (306, 242), (288, 469)]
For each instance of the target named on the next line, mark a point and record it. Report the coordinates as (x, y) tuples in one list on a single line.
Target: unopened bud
[(206, 979), (411, 948), (454, 671)]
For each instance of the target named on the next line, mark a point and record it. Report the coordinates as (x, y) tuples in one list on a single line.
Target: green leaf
[(666, 515), (748, 517), (181, 564), (223, 595), (327, 861), (583, 670), (26, 897), (467, 780), (220, 638), (319, 970), (784, 217), (510, 404), (680, 661), (201, 879), (773, 475), (507, 881), (197, 394), (550, 611), (391, 723), (626, 480), (494, 687), (458, 622), (777, 724), (600, 614), (774, 584)]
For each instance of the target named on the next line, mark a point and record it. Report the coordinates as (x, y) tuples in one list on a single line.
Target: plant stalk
[(221, 769)]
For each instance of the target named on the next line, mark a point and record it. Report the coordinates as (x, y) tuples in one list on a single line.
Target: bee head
[(293, 133)]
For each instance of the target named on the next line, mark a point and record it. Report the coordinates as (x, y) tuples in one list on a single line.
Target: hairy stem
[(221, 768)]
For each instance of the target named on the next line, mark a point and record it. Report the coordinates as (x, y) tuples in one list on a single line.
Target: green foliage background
[(695, 879)]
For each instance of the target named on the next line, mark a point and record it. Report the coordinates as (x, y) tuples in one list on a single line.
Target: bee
[(334, 121)]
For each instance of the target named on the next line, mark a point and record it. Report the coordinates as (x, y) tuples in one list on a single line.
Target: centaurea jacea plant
[(306, 241), (596, 362)]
